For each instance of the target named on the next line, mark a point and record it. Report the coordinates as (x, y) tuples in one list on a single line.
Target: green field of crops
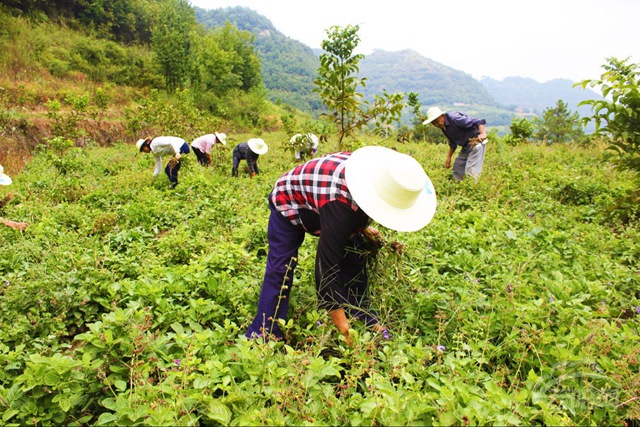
[(125, 302)]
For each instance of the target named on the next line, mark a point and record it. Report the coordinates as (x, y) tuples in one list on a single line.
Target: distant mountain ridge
[(289, 68), (527, 95), (408, 71)]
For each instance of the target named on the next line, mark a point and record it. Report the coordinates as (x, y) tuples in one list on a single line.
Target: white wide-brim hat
[(432, 114), (222, 137), (257, 145), (391, 188), (4, 179)]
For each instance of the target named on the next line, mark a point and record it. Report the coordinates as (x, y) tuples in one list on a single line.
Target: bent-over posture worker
[(465, 132), (165, 146), (335, 197), (249, 151), (203, 145), (306, 144)]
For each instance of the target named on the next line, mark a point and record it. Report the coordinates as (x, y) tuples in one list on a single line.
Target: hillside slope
[(289, 68), (408, 71)]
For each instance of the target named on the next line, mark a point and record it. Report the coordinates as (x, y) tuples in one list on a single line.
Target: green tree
[(171, 42), (127, 21), (559, 125), (213, 68), (226, 65), (337, 81), (413, 100), (617, 115), (337, 85), (244, 60), (419, 131), (522, 130)]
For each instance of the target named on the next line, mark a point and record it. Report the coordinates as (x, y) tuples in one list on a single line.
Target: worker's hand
[(397, 247), (253, 174), (447, 163), (371, 232), (373, 236), (177, 156), (482, 137), (14, 224), (339, 319)]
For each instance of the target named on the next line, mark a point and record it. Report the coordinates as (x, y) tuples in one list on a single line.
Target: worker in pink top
[(202, 146)]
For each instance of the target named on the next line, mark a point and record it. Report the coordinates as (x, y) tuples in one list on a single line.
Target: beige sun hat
[(141, 142), (222, 137), (257, 145), (391, 188), (4, 179), (432, 114)]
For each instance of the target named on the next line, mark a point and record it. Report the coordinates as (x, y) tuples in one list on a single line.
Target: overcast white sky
[(539, 39)]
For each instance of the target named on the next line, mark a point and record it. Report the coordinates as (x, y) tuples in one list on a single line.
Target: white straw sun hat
[(222, 137), (391, 188), (4, 179), (432, 114), (257, 145)]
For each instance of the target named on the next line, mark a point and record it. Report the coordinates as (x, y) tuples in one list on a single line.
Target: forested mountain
[(288, 66)]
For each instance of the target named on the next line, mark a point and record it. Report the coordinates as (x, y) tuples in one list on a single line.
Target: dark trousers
[(284, 241), (202, 157), (173, 167)]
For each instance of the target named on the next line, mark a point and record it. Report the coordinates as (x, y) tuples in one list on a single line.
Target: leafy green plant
[(337, 85), (67, 126), (617, 119), (53, 389), (617, 114), (522, 130)]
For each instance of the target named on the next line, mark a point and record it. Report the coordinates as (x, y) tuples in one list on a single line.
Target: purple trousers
[(284, 241)]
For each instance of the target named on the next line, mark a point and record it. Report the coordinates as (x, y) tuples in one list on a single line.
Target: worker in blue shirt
[(465, 132)]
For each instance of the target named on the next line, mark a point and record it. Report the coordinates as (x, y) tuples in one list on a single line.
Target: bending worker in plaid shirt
[(335, 197)]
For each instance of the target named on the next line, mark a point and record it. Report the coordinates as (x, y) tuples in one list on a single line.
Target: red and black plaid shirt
[(312, 185)]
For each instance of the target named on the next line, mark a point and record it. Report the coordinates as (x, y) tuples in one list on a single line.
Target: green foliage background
[(125, 302)]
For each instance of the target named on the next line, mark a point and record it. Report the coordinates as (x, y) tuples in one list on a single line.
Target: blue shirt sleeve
[(459, 127), (463, 121)]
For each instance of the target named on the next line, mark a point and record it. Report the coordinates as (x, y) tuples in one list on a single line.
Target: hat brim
[(5, 179), (426, 122), (257, 149), (361, 169), (222, 140)]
